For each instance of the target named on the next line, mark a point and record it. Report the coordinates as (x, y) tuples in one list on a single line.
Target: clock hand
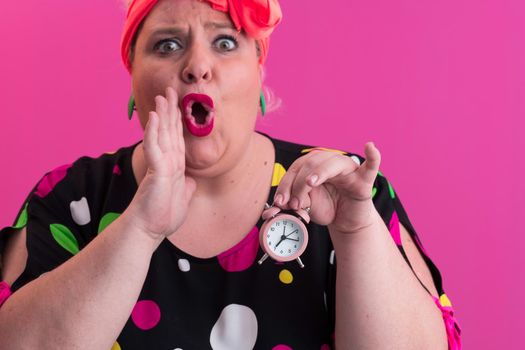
[(282, 239), (294, 231), (291, 239)]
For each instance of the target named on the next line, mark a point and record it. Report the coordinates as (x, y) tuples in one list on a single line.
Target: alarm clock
[(283, 235)]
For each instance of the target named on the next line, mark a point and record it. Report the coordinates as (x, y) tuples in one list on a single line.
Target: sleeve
[(52, 234), (389, 206)]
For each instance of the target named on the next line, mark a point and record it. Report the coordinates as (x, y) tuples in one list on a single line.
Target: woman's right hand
[(161, 203)]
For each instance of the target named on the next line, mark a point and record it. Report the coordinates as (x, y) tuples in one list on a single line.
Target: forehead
[(183, 13)]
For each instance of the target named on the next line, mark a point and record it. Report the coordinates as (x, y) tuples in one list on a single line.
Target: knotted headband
[(258, 18)]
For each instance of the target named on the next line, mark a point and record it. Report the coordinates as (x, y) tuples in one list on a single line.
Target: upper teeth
[(190, 107)]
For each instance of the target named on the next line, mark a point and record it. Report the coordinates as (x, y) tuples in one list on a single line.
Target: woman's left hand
[(340, 197)]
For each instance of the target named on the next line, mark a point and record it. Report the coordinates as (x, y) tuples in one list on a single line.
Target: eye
[(166, 46), (226, 43)]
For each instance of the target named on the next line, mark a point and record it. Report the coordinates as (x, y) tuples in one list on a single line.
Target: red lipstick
[(198, 114)]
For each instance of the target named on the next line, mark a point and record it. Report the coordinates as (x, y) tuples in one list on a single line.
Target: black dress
[(225, 302)]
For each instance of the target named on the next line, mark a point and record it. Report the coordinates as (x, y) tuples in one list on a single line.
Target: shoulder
[(63, 188), (86, 171), (292, 150)]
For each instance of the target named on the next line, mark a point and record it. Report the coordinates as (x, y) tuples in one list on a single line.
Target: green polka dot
[(391, 189), (107, 219), (22, 219), (64, 238), (380, 174), (374, 191)]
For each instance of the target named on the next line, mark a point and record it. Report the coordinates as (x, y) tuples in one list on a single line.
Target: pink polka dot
[(393, 227), (242, 255), (116, 170), (282, 347), (145, 314), (325, 347), (51, 180)]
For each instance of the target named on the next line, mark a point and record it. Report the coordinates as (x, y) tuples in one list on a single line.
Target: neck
[(237, 173)]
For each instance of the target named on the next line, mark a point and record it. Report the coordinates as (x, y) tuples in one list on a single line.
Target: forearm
[(85, 302), (380, 304)]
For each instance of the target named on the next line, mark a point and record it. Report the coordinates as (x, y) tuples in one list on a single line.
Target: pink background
[(439, 86)]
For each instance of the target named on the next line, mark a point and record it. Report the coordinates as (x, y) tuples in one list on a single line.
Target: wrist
[(341, 238), (139, 233)]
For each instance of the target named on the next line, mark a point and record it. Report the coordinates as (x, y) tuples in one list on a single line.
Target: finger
[(171, 96), (336, 170), (162, 112), (283, 192), (371, 165), (301, 187), (150, 145), (176, 120)]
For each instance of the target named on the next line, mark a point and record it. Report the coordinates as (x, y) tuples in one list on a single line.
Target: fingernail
[(278, 199), (313, 179)]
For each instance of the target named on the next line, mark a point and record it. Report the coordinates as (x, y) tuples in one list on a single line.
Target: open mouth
[(198, 113)]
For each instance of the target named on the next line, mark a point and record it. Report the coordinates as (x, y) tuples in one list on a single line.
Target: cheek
[(243, 91), (145, 88)]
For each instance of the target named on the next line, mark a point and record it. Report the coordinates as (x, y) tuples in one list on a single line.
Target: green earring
[(263, 104), (131, 106)]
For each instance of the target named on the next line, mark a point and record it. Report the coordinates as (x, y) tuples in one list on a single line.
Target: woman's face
[(193, 48)]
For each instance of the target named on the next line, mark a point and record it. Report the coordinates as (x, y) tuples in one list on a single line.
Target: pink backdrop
[(439, 86)]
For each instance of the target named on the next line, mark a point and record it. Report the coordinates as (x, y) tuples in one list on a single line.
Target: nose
[(197, 67)]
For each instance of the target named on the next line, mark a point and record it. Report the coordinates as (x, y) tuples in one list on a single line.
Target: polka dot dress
[(222, 303)]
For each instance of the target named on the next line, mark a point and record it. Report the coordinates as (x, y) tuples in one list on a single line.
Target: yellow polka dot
[(306, 150), (116, 346), (286, 276), (444, 300), (278, 173), (112, 152)]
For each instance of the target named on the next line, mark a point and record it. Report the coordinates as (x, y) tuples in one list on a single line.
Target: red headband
[(258, 18)]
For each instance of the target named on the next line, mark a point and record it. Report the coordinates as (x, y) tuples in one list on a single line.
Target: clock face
[(285, 237)]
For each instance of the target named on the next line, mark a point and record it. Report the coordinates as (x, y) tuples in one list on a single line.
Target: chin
[(202, 156)]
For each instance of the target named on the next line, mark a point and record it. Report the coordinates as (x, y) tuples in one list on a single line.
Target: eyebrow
[(178, 30)]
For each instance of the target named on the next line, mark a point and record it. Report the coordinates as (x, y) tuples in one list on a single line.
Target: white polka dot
[(356, 160), (80, 211), (332, 257), (236, 328), (184, 265), (177, 349)]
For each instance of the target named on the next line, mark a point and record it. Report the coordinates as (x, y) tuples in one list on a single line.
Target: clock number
[(272, 229), (285, 223), (281, 251), (268, 235), (277, 224), (289, 250), (269, 243), (295, 245)]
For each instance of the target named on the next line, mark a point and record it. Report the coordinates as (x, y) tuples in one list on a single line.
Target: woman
[(155, 246)]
